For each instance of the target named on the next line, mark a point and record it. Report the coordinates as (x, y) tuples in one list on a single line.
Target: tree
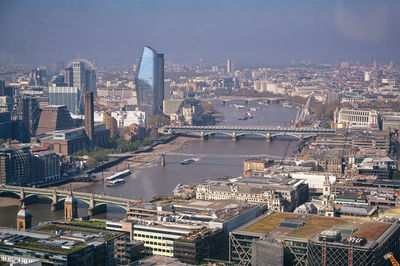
[(158, 121), (124, 131)]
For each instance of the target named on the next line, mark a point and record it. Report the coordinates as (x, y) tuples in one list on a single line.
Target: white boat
[(253, 109), (188, 161), (116, 182), (119, 175)]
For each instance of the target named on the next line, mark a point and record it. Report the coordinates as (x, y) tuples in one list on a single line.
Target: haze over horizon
[(251, 32)]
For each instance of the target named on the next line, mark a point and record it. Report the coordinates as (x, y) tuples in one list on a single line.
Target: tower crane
[(389, 256)]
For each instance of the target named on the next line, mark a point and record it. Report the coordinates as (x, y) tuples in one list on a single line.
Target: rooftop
[(313, 225), (57, 237)]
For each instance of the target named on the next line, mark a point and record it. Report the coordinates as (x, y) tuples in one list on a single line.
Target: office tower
[(54, 117), (89, 115), (37, 77), (2, 87), (150, 82), (24, 219), (26, 109), (68, 77), (6, 90), (5, 125), (69, 96), (83, 75), (15, 165), (230, 66)]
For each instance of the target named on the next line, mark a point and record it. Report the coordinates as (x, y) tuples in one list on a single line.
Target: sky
[(248, 31)]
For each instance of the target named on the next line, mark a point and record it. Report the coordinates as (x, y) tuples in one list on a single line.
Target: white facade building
[(124, 118), (354, 117)]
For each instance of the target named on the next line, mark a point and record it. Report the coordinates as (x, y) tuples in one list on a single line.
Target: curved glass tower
[(150, 82)]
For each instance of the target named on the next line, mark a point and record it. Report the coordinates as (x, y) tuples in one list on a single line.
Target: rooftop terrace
[(314, 224)]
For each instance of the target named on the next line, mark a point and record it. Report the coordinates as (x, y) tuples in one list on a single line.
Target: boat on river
[(116, 182), (188, 161), (118, 175)]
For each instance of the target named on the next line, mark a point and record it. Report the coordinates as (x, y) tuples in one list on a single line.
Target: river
[(152, 179)]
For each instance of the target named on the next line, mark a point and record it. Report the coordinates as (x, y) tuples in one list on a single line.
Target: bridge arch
[(250, 134), (10, 194), (29, 195), (297, 136), (111, 204)]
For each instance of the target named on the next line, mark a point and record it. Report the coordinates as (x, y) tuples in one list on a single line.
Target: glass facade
[(150, 82), (69, 96)]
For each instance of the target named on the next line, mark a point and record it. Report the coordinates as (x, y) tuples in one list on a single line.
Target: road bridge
[(198, 155), (236, 131), (227, 99), (97, 203)]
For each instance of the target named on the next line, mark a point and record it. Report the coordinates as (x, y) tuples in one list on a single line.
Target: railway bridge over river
[(97, 203)]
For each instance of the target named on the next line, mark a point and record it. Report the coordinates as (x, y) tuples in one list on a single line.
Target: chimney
[(89, 115)]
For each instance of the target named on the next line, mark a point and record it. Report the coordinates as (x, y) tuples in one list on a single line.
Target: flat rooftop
[(312, 225), (57, 238)]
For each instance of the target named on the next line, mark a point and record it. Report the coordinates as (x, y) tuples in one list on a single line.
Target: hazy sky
[(250, 31)]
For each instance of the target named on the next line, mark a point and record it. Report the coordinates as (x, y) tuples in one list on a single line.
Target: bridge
[(236, 131), (97, 203), (207, 155), (246, 99)]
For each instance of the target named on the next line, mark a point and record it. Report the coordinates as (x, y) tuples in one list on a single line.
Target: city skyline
[(255, 32)]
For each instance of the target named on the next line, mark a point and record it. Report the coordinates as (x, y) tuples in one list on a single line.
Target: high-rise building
[(5, 125), (69, 96), (37, 77), (6, 90), (230, 66), (83, 75), (26, 109), (150, 82), (89, 115), (68, 77)]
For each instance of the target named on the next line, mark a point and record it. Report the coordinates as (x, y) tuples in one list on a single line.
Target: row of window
[(153, 237)]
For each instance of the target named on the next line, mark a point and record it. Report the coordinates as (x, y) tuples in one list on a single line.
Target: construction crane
[(389, 256)]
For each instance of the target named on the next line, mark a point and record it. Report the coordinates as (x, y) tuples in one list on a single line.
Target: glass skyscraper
[(150, 82)]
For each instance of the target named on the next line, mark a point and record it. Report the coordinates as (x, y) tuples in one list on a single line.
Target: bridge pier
[(93, 209), (55, 204), (235, 137), (162, 160), (203, 136), (268, 137), (97, 210)]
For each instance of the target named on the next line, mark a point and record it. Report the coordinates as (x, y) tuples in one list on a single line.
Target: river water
[(152, 179)]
